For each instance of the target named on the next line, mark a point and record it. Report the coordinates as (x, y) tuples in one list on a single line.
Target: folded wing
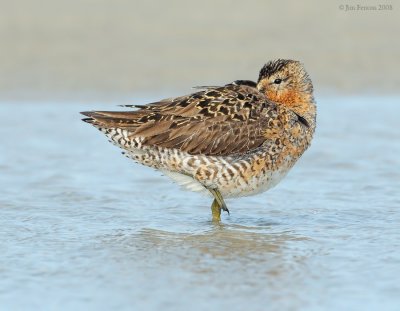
[(217, 121)]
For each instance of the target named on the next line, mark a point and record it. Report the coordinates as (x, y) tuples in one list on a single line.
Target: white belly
[(186, 182), (255, 185), (238, 188)]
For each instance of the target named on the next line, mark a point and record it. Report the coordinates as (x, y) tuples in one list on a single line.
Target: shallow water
[(84, 228)]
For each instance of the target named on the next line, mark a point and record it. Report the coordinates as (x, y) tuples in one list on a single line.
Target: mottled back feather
[(216, 121)]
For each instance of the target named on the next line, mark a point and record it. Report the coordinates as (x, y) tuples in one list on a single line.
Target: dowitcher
[(228, 141)]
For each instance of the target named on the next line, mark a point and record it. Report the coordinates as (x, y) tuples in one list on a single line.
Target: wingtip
[(88, 120), (87, 113)]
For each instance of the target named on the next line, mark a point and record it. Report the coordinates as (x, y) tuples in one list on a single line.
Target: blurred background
[(99, 49), (84, 228)]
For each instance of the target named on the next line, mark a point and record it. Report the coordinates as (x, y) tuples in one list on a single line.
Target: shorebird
[(235, 140)]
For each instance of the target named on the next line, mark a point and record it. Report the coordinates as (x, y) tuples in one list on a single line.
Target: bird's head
[(285, 82)]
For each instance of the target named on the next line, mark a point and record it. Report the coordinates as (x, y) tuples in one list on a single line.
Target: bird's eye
[(278, 81)]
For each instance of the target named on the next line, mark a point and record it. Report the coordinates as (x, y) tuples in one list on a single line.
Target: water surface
[(83, 228)]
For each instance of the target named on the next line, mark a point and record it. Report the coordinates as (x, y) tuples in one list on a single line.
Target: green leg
[(216, 211), (217, 205)]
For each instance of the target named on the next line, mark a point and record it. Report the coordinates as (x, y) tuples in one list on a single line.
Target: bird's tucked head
[(286, 82)]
